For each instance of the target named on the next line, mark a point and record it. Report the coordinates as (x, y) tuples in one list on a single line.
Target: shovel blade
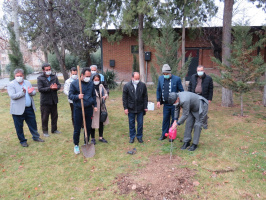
[(88, 150)]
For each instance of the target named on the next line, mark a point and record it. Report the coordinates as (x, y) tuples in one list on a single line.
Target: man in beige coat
[(101, 95)]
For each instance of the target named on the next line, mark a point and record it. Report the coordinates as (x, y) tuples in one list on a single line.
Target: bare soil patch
[(161, 178)]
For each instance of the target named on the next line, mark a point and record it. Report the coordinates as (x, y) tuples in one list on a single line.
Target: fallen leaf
[(36, 188), (134, 186), (3, 170), (243, 170), (194, 163), (258, 195), (196, 183)]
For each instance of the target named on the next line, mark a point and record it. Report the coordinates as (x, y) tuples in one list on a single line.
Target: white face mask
[(96, 82), (200, 73), (93, 72), (19, 79), (48, 73), (86, 79), (135, 82), (74, 76)]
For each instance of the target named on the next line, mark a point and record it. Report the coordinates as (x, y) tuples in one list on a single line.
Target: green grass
[(230, 162)]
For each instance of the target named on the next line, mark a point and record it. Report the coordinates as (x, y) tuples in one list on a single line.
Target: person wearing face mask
[(135, 103), (68, 82), (195, 109), (201, 84), (101, 95), (102, 80), (48, 85), (22, 107), (89, 100), (167, 83)]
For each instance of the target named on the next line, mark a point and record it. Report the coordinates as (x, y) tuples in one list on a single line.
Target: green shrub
[(110, 77)]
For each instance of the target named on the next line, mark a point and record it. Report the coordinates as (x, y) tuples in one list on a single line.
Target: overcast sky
[(243, 12)]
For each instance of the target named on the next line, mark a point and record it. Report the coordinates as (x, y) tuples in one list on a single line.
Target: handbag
[(104, 114)]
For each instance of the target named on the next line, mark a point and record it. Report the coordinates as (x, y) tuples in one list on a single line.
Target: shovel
[(87, 149)]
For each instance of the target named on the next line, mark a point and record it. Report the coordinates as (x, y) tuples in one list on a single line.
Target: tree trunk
[(141, 49), (241, 100), (264, 93), (15, 19), (52, 37), (184, 50), (45, 56), (227, 95)]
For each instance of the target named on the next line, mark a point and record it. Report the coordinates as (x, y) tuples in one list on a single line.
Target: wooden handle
[(82, 107)]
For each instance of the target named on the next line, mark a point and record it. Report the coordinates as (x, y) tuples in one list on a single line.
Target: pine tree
[(246, 67), (166, 46), (16, 58)]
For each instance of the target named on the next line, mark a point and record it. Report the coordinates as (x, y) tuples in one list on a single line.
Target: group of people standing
[(95, 91)]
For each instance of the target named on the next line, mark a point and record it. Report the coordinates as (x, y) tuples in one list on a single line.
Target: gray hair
[(93, 66), (200, 66), (18, 71), (133, 74)]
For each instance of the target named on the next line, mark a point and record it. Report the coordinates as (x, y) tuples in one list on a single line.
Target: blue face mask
[(200, 73), (166, 76)]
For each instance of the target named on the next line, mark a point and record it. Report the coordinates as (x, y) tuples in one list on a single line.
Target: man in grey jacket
[(195, 109), (22, 106)]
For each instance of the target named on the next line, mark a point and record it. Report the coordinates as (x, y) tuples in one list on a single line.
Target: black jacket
[(206, 85), (89, 98), (135, 101), (48, 96)]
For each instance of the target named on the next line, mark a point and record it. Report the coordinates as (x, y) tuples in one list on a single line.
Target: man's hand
[(95, 109), (126, 111), (30, 90), (209, 101), (24, 90), (158, 105), (81, 96), (53, 86), (146, 110), (104, 97), (174, 125)]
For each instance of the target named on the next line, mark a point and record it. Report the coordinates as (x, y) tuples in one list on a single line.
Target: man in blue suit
[(167, 83)]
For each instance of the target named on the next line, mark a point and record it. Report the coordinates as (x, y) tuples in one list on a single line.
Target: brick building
[(202, 44)]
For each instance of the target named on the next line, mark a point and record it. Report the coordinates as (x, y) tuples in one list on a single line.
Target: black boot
[(185, 145), (193, 147)]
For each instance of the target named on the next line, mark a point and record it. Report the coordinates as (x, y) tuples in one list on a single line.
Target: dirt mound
[(160, 179)]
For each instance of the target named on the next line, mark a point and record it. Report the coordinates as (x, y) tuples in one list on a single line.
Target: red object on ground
[(171, 134)]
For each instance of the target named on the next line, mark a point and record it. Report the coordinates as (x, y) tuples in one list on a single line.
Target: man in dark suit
[(167, 83), (135, 102), (48, 85)]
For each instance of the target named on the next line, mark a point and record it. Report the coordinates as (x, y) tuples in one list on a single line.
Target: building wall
[(121, 53)]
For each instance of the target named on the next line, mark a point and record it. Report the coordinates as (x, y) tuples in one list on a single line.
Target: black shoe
[(131, 140), (39, 140), (140, 140), (162, 137), (93, 141), (24, 144), (193, 147), (103, 140), (185, 145), (171, 140), (56, 132)]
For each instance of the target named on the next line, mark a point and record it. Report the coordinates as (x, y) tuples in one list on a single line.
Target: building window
[(4, 58), (134, 49)]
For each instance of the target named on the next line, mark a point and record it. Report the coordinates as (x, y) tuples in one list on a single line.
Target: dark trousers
[(29, 117), (46, 110), (72, 113), (100, 130), (168, 111), (132, 130), (78, 121)]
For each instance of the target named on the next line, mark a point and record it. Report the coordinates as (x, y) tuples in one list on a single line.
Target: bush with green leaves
[(110, 77)]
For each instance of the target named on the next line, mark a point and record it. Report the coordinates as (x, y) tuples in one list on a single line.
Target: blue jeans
[(132, 129), (78, 121), (168, 111), (29, 117)]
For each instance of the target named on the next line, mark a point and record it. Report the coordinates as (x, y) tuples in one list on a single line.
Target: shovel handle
[(82, 107)]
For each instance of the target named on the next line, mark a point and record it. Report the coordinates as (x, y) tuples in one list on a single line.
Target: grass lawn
[(230, 162)]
